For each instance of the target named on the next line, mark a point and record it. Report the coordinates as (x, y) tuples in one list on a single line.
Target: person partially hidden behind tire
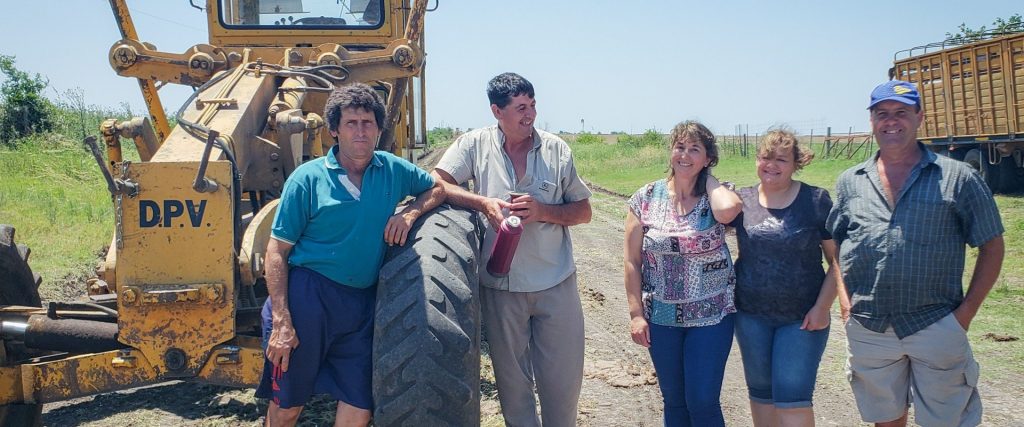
[(902, 220), (533, 317), (327, 244)]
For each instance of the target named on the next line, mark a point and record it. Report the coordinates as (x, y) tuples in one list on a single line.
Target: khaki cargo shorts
[(933, 368)]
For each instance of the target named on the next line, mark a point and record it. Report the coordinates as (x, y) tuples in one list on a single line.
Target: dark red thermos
[(505, 246)]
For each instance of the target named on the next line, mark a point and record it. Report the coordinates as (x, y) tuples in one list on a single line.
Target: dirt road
[(619, 388), (615, 392)]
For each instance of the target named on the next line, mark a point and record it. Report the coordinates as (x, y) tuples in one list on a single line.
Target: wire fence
[(829, 145)]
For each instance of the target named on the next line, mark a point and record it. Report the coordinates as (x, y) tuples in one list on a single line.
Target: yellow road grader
[(178, 295)]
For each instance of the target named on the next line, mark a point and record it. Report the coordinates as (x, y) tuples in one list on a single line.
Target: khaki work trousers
[(536, 335)]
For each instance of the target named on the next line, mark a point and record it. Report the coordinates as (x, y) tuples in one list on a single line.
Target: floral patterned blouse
[(688, 277)]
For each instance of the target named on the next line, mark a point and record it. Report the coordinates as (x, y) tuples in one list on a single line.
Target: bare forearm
[(725, 204), (426, 201), (632, 255), (277, 287), (572, 213), (829, 288), (634, 297), (986, 272), (462, 197)]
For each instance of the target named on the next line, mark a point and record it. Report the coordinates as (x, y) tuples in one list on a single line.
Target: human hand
[(844, 308), (527, 209), (282, 341), (816, 319), (397, 228), (640, 331), (493, 211)]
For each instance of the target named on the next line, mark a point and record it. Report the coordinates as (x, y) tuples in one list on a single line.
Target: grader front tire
[(426, 347), (18, 286)]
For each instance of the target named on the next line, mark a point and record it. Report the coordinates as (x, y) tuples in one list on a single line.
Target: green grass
[(53, 194), (623, 169), (1000, 314)]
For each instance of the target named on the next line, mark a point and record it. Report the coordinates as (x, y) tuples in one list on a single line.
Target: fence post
[(828, 141)]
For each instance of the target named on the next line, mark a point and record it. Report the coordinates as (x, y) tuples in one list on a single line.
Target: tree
[(23, 109), (965, 34)]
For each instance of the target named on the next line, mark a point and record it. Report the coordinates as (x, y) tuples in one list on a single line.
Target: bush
[(588, 138), (440, 136), (23, 109), (649, 138)]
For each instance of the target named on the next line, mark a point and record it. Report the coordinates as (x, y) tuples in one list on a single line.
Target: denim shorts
[(334, 325), (780, 361)]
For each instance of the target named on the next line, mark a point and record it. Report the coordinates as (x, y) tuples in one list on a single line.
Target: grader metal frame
[(179, 292)]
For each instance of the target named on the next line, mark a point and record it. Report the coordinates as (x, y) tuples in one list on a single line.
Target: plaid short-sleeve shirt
[(903, 266)]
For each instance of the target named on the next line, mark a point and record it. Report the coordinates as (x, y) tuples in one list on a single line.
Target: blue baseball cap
[(895, 90)]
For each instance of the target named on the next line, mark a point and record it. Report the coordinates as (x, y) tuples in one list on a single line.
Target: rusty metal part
[(203, 184), (146, 85), (225, 102), (70, 335), (254, 244), (395, 100), (115, 186), (139, 129)]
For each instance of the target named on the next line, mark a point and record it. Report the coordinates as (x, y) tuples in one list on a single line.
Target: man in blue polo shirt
[(322, 261)]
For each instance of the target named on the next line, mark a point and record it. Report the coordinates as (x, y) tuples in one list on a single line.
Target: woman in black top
[(783, 294)]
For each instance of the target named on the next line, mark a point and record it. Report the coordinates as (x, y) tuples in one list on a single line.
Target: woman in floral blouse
[(679, 277)]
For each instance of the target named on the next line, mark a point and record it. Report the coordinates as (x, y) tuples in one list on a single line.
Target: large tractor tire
[(18, 286), (426, 345)]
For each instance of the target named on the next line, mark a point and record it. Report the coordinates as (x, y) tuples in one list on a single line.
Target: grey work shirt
[(544, 257), (903, 267)]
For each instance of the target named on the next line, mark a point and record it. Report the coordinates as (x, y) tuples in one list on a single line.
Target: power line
[(160, 18)]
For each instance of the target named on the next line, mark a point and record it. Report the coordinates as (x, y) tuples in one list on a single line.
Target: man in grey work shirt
[(902, 220), (533, 317)]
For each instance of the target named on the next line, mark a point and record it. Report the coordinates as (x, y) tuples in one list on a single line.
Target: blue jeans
[(780, 361), (690, 363)]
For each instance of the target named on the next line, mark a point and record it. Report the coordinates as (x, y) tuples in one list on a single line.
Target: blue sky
[(619, 65)]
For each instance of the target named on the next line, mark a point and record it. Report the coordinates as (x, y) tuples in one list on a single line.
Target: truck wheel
[(1009, 175), (426, 343), (18, 286), (978, 159)]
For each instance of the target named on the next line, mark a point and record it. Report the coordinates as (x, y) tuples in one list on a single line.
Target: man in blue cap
[(902, 220)]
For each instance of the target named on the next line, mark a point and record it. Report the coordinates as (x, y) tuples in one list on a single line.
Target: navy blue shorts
[(334, 324)]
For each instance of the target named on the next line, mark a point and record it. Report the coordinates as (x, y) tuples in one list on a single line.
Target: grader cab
[(178, 294)]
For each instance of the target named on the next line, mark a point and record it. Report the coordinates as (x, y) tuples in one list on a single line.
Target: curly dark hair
[(355, 95), (699, 133)]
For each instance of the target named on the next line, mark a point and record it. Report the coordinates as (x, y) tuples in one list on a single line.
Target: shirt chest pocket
[(545, 191), (921, 223)]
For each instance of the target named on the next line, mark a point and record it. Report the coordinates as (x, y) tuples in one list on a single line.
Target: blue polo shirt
[(334, 232)]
